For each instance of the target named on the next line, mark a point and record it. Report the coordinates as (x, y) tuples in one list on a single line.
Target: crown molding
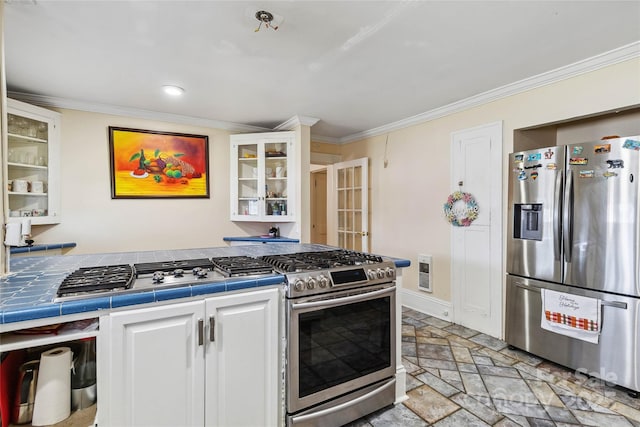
[(594, 63), (327, 139), (55, 102), (296, 121)]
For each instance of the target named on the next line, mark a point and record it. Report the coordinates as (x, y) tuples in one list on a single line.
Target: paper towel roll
[(26, 227), (53, 393)]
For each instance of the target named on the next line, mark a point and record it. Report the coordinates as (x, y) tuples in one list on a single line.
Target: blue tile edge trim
[(261, 239), (31, 313), (401, 263), (81, 306), (36, 248), (132, 299)]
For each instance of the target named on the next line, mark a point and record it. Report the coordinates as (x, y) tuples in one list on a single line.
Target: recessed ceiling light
[(172, 90)]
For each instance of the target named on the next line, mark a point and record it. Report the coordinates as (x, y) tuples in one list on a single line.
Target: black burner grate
[(305, 261), (91, 279), (187, 264), (241, 266)]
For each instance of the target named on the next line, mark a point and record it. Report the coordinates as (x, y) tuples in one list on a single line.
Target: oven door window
[(342, 343)]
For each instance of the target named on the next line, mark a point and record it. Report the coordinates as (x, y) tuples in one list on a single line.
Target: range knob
[(371, 274), (202, 273), (389, 272), (157, 277), (298, 285), (380, 273), (311, 283), (323, 282), (178, 272)]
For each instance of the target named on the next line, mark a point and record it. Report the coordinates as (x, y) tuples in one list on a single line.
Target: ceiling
[(354, 65)]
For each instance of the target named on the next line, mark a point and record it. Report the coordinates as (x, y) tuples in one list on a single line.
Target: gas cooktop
[(329, 268), (119, 279)]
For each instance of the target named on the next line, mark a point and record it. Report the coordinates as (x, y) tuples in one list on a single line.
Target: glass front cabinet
[(263, 177), (32, 163)]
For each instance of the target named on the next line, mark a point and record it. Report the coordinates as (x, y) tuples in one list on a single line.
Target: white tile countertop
[(27, 292)]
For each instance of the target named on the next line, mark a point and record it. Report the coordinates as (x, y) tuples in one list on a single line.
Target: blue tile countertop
[(261, 239), (37, 248), (27, 293)]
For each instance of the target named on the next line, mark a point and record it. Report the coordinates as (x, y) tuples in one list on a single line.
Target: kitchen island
[(144, 334)]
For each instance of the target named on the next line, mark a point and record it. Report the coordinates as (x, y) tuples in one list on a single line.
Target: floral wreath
[(461, 217)]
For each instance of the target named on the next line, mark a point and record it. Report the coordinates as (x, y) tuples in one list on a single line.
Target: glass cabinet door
[(262, 177), (275, 174), (28, 167), (249, 201)]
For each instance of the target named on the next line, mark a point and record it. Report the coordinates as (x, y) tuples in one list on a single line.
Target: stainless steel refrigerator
[(573, 227)]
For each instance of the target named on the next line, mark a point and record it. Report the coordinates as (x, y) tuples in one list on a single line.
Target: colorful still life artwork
[(158, 164)]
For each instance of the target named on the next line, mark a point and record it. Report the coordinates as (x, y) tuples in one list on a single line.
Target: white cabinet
[(242, 360), (212, 362), (263, 177), (154, 374), (33, 161)]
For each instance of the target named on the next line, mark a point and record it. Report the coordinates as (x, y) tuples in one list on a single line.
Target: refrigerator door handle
[(615, 304), (556, 217), (567, 217)]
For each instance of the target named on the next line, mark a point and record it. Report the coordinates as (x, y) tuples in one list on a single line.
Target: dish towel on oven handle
[(571, 315)]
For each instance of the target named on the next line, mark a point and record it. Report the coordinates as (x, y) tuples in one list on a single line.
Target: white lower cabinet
[(212, 362)]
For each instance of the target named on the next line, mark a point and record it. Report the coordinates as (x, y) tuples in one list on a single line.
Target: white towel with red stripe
[(571, 315)]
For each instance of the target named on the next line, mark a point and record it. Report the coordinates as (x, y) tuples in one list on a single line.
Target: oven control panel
[(329, 280)]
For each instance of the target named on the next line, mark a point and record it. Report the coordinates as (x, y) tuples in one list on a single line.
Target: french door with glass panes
[(352, 192)]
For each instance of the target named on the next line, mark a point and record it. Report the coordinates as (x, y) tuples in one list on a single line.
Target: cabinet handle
[(200, 332), (212, 328)]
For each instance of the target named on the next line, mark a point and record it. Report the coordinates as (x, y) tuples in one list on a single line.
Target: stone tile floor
[(459, 377)]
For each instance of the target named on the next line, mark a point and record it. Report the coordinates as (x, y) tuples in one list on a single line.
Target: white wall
[(407, 197), (98, 223)]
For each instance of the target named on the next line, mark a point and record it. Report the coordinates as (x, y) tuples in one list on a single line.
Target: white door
[(156, 370), (351, 192), (476, 250), (319, 207), (242, 360)]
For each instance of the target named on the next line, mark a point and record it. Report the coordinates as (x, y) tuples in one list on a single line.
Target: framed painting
[(151, 164)]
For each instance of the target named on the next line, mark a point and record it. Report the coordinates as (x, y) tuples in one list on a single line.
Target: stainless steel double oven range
[(341, 340), (340, 321)]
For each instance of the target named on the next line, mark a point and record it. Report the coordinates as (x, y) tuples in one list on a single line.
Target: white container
[(37, 187), (20, 185)]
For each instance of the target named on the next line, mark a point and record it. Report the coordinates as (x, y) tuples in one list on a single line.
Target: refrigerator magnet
[(586, 174), (548, 154), (534, 157), (578, 149), (631, 144), (602, 148), (519, 157), (522, 175), (578, 161), (609, 174), (534, 175), (551, 166), (615, 164)]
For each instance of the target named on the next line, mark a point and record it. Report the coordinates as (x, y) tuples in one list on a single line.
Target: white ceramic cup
[(20, 185), (269, 172), (37, 187), (279, 172)]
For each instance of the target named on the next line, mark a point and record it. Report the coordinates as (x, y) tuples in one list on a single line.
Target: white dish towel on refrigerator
[(571, 315)]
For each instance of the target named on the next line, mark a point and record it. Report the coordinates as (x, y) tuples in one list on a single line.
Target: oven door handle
[(336, 301)]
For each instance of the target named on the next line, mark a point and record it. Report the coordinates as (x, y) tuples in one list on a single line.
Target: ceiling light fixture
[(172, 90), (265, 18)]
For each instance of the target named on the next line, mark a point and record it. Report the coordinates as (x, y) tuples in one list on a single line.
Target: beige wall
[(407, 196), (98, 223)]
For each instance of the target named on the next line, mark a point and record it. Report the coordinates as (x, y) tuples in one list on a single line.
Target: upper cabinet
[(263, 177), (33, 159)]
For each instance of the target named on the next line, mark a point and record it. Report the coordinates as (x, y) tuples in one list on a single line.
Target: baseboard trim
[(427, 304)]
